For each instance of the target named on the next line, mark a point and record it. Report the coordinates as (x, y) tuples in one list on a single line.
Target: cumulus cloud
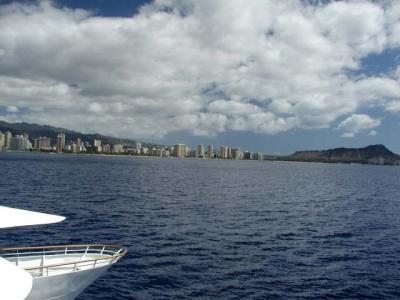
[(204, 66), (393, 106), (12, 109), (357, 123)]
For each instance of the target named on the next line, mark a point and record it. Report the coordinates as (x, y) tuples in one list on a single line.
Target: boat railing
[(86, 256)]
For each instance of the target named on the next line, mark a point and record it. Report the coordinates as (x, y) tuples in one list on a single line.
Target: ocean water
[(217, 229)]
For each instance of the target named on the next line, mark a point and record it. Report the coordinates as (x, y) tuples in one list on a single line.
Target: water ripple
[(217, 229)]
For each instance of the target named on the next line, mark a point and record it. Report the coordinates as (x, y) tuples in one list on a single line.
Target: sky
[(274, 76)]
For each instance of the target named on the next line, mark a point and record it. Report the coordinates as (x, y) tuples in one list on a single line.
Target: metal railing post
[(41, 273)]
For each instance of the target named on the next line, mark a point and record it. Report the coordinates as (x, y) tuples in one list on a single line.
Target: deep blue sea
[(209, 229)]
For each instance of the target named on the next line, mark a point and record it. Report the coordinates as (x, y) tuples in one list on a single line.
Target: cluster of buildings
[(10, 142), (224, 152), (15, 143), (183, 151), (77, 146), (22, 143)]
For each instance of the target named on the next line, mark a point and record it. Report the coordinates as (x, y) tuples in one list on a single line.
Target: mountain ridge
[(372, 154), (36, 130)]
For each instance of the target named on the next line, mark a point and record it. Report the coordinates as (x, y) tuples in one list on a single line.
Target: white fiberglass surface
[(12, 217), (15, 283)]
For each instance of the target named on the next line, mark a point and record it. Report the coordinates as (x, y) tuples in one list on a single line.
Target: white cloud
[(12, 109), (204, 66), (393, 106), (356, 123)]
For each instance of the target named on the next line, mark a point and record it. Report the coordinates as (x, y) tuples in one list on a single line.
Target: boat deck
[(56, 260)]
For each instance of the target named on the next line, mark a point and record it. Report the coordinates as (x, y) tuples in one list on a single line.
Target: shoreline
[(193, 158)]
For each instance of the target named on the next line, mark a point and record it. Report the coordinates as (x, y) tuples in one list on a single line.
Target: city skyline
[(22, 142), (371, 154), (298, 75)]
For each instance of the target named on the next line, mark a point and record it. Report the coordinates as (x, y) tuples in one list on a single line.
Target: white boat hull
[(64, 286), (62, 272)]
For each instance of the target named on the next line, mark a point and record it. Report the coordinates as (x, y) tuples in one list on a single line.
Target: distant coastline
[(48, 139), (318, 157)]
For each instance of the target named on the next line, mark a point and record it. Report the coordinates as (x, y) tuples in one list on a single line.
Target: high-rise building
[(106, 148), (96, 143), (20, 143), (78, 145), (1, 140), (210, 151), (192, 153), (136, 149), (258, 156), (180, 150), (246, 155), (230, 153), (223, 152), (43, 143), (138, 146), (60, 142), (200, 151), (7, 140), (75, 148), (236, 153), (118, 148)]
